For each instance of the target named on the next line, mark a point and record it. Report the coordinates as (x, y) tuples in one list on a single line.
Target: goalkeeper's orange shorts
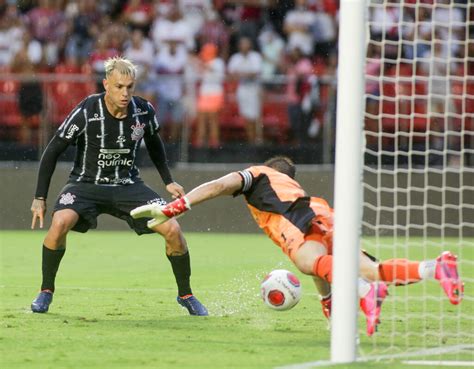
[(322, 225), (321, 230)]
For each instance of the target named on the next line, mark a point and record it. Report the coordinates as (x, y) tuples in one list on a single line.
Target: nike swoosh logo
[(100, 136)]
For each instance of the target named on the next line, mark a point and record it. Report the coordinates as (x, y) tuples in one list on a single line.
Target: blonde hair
[(121, 64)]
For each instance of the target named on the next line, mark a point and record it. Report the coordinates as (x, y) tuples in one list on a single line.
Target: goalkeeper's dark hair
[(283, 164)]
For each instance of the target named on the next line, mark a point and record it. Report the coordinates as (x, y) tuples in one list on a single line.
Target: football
[(280, 290)]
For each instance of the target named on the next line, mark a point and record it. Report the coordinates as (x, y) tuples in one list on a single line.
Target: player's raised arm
[(226, 185)]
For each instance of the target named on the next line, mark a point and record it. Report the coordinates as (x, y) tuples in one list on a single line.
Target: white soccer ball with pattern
[(281, 290)]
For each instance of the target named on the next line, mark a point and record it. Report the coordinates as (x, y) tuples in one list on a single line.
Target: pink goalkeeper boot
[(371, 305), (446, 273)]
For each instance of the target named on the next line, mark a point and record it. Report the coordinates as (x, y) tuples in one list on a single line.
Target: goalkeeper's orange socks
[(403, 271), (322, 267), (394, 271)]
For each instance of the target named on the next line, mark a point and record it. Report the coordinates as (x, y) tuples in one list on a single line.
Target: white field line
[(424, 352), (436, 363)]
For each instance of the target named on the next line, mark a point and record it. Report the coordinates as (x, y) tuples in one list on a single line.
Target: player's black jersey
[(107, 146)]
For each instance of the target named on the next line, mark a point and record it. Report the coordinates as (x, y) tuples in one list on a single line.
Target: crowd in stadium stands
[(274, 58), (234, 48), (420, 75)]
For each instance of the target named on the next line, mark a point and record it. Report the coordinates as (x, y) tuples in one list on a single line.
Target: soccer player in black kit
[(107, 130)]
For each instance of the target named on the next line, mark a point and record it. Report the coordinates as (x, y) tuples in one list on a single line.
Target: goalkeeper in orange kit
[(302, 226)]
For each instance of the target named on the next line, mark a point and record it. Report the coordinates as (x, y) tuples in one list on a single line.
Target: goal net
[(419, 170)]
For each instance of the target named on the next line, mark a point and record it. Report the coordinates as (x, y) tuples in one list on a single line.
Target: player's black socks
[(51, 260), (182, 272)]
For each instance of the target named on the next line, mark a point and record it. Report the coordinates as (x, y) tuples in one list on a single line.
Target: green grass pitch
[(115, 307)]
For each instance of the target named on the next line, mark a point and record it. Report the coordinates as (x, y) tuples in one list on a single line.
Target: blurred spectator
[(297, 27), (250, 15), (450, 23), (372, 89), (437, 66), (172, 27), (385, 22), (440, 104), (323, 31), (246, 66), (33, 48), (277, 12), (331, 7), (298, 71), (416, 32), (211, 96), (117, 35), (11, 32), (140, 52), (213, 31), (83, 31), (47, 24), (271, 47), (101, 53), (169, 65), (30, 95), (138, 14), (372, 69), (194, 12)]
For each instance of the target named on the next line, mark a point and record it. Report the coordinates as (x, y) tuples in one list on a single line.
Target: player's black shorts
[(90, 200)]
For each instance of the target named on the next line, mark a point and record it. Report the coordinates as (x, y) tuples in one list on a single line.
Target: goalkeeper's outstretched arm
[(226, 185)]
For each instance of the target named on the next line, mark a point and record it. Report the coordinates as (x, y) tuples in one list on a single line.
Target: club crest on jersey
[(67, 199), (138, 131), (95, 118)]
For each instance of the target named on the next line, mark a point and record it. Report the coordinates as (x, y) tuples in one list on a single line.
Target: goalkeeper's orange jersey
[(284, 211)]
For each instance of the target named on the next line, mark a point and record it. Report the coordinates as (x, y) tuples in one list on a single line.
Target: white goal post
[(348, 180), (404, 177)]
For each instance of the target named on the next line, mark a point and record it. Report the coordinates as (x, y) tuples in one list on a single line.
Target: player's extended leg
[(401, 272), (54, 247), (178, 255)]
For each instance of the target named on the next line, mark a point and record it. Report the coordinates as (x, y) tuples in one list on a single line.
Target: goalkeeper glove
[(161, 214), (176, 208)]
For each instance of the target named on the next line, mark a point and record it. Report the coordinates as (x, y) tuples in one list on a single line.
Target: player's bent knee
[(306, 256), (304, 266), (63, 222), (305, 263), (170, 230), (369, 273), (368, 269)]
